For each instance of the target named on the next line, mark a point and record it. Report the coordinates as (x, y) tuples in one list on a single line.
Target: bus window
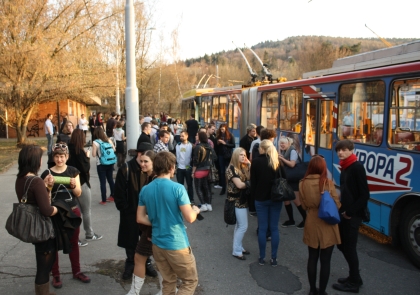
[(269, 109), (404, 125), (208, 111), (326, 124), (361, 112), (236, 115), (204, 110), (230, 123), (290, 110), (222, 108), (310, 122), (215, 109)]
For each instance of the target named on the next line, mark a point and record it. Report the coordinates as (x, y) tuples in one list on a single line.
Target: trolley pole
[(131, 90)]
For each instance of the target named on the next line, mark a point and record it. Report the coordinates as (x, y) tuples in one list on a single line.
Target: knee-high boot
[(43, 289), (289, 210), (302, 212), (136, 285)]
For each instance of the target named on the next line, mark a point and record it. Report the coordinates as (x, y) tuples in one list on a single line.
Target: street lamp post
[(131, 90)]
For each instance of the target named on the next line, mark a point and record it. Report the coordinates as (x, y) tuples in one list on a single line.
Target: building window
[(70, 108)]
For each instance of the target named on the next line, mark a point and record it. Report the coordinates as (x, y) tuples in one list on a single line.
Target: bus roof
[(376, 72), (225, 90), (399, 54), (196, 92)]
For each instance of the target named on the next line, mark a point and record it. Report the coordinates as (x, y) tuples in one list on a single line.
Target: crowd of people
[(200, 158)]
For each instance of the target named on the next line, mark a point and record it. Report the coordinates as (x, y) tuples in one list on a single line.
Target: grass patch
[(9, 152)]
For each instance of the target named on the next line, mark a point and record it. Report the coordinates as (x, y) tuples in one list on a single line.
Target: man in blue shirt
[(167, 205)]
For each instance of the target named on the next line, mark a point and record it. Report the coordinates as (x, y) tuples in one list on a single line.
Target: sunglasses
[(61, 146), (316, 155)]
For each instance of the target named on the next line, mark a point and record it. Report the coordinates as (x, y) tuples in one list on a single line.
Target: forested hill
[(289, 58)]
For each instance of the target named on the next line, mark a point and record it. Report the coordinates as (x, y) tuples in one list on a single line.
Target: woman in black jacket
[(203, 155), (224, 147), (264, 170), (80, 159)]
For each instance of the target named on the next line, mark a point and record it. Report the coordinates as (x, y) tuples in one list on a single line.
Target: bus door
[(318, 132), (234, 116)]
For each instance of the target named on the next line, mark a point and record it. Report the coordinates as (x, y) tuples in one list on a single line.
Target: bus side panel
[(385, 226), (375, 215)]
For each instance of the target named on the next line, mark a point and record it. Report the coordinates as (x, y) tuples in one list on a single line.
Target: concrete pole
[(131, 90), (117, 94)]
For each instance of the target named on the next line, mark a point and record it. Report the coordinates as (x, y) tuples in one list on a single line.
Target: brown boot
[(43, 289)]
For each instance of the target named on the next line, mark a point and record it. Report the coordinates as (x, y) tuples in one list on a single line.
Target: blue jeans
[(105, 174), (268, 214), (240, 230), (185, 174), (50, 143)]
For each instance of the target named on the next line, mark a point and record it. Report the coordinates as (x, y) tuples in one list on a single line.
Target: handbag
[(214, 174), (28, 224), (229, 212), (281, 190), (328, 210), (296, 173)]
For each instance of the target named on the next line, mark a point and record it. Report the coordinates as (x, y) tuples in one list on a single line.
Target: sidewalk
[(102, 261)]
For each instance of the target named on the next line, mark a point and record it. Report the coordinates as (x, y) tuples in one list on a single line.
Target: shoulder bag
[(281, 190), (328, 210), (229, 212), (28, 224)]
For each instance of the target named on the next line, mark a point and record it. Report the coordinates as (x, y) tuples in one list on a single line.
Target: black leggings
[(324, 256), (202, 190), (44, 263)]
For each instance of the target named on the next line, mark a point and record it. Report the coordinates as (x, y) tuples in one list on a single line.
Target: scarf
[(347, 162)]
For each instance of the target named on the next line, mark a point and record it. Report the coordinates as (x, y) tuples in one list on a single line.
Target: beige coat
[(317, 232)]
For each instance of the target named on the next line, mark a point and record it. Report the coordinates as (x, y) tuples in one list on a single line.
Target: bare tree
[(48, 52)]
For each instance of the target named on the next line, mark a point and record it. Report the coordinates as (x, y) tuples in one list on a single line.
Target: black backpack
[(206, 156)]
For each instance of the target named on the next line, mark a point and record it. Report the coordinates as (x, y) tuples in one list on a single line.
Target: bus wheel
[(410, 233)]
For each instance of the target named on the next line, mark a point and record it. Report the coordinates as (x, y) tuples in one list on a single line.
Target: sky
[(207, 27)]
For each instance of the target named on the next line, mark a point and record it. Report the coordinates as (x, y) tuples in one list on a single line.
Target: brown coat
[(317, 232)]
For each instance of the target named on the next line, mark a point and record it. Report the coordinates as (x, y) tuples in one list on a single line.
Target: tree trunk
[(22, 124), (21, 134)]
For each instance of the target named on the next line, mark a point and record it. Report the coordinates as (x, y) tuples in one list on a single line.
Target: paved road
[(385, 270)]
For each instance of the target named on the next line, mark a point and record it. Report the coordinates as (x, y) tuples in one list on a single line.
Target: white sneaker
[(209, 207), (217, 186), (203, 208)]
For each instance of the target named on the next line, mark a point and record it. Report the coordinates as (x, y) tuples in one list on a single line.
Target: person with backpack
[(203, 155), (290, 158), (154, 131), (104, 151), (183, 158)]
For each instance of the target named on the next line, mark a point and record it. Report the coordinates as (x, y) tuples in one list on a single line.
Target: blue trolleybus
[(372, 99)]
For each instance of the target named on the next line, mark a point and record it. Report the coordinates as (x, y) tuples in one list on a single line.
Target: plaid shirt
[(160, 147)]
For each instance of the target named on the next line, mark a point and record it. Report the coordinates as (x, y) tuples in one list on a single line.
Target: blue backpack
[(107, 153)]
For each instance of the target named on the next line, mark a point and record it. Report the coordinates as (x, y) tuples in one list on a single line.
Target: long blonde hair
[(234, 161), (268, 148)]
